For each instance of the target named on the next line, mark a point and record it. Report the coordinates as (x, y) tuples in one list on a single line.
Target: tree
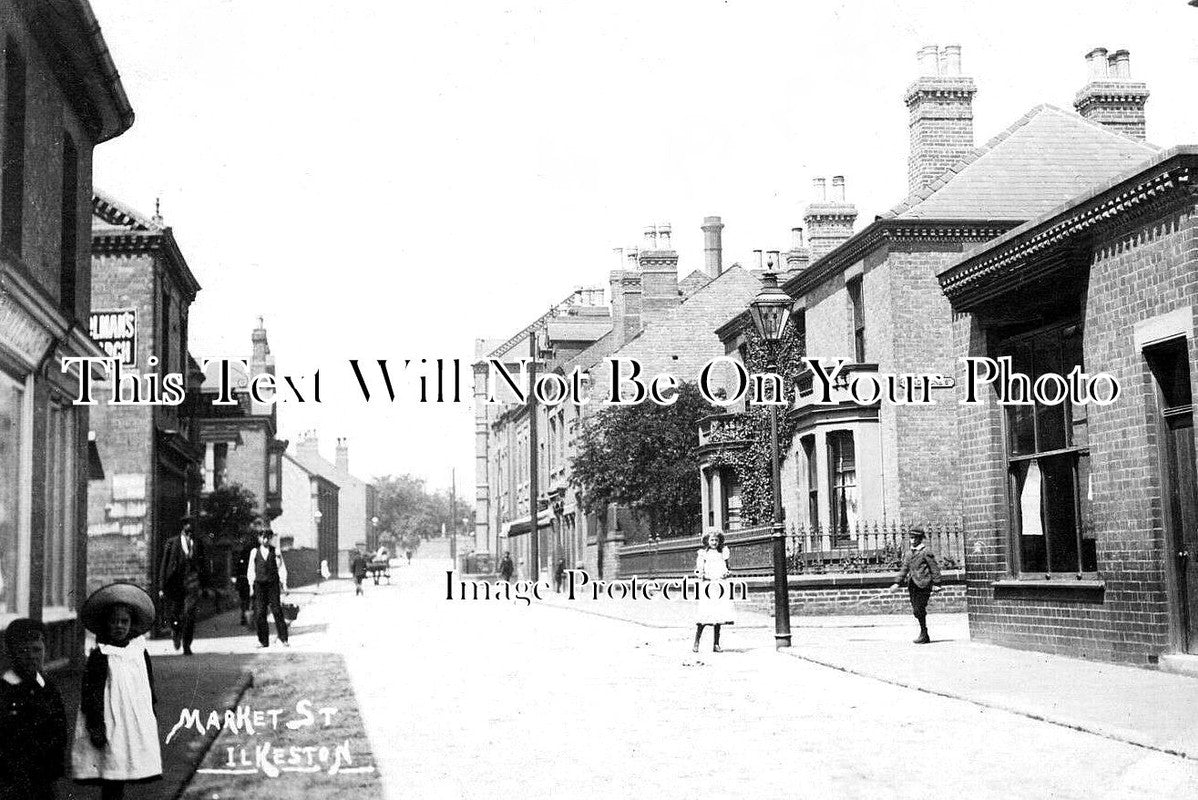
[(646, 456), (408, 509), (228, 513)]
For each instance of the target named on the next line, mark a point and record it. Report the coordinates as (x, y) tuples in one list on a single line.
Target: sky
[(381, 179)]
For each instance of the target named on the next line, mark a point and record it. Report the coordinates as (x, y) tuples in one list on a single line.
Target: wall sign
[(116, 332)]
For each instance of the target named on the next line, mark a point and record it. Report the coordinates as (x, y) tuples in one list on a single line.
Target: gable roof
[(117, 228), (1046, 157)]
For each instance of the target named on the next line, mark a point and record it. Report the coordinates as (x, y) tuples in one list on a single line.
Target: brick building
[(1081, 519), (356, 510), (61, 96), (142, 290)]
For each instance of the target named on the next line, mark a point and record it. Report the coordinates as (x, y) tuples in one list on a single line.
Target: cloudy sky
[(390, 179)]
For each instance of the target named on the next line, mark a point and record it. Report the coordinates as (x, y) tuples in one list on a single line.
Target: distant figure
[(183, 575), (382, 554), (506, 566), (559, 575), (358, 568), (324, 569), (267, 574), (715, 593), (921, 573), (408, 553), (33, 738), (116, 731)]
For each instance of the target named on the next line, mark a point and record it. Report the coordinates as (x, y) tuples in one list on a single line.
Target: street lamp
[(374, 531), (771, 311)]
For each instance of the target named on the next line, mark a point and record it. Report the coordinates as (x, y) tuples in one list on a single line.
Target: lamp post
[(374, 532), (771, 312)]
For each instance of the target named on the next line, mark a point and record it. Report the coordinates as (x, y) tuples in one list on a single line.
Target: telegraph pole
[(535, 532), (453, 514)]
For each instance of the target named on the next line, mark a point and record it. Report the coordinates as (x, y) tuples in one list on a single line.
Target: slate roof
[(1046, 157)]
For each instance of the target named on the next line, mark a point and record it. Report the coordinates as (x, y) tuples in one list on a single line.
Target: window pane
[(1021, 419), (1071, 356), (1028, 485), (842, 474), (1050, 420), (10, 459), (1060, 517), (1086, 502)]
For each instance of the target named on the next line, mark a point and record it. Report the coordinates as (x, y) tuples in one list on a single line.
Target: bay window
[(842, 477)]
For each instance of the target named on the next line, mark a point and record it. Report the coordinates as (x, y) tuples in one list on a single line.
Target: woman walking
[(715, 593), (116, 732)]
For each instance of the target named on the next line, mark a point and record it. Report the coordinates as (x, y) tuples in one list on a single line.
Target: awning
[(520, 526)]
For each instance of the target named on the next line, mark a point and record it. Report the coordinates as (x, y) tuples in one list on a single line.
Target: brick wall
[(1136, 273), (853, 600)]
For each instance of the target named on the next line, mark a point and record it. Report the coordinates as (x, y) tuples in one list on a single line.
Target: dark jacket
[(506, 568), (266, 570), (180, 573), (358, 566), (95, 680), (33, 738), (920, 568)]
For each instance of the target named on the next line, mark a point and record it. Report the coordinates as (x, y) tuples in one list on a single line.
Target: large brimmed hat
[(95, 610)]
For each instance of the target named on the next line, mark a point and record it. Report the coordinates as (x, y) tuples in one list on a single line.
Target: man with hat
[(921, 573), (33, 735), (267, 577), (182, 576)]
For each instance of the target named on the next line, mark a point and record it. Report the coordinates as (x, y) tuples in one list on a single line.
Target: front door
[(1170, 365)]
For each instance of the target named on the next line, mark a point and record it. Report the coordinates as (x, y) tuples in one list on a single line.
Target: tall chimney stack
[(1110, 97), (829, 222), (713, 246), (940, 106)]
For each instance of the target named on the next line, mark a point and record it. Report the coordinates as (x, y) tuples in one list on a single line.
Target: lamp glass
[(771, 309)]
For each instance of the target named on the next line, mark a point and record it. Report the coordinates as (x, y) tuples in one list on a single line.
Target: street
[(473, 699)]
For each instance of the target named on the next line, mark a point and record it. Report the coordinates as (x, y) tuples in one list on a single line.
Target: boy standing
[(33, 733), (921, 573)]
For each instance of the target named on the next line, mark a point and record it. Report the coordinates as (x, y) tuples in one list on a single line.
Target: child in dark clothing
[(33, 725)]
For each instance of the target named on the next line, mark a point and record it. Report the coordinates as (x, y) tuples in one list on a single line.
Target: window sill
[(1063, 588)]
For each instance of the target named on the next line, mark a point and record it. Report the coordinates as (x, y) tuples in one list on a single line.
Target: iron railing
[(864, 548)]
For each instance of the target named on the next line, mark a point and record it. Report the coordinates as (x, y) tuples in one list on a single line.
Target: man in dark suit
[(921, 573), (267, 577), (182, 576)]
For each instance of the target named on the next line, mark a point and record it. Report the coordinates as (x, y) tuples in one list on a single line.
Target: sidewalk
[(204, 681), (1142, 707)]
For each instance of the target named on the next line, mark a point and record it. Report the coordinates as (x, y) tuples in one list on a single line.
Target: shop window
[(69, 252), (857, 307), (842, 479), (812, 469), (59, 562), (12, 173), (12, 401), (1048, 462)]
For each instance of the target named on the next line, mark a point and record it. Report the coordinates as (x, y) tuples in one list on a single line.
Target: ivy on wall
[(751, 465)]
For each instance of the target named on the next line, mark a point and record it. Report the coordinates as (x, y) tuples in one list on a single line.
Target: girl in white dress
[(715, 593), (116, 732)]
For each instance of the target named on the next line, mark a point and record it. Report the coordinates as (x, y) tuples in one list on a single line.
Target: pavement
[(1143, 707), (559, 698)]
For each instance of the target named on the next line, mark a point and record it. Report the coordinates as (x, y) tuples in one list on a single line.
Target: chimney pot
[(1098, 63), (838, 189), (951, 56), (796, 238), (650, 242), (619, 251), (663, 236), (757, 264), (774, 260), (821, 192), (928, 66), (1122, 61)]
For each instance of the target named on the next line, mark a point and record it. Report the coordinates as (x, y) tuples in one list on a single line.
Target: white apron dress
[(712, 567), (132, 752)]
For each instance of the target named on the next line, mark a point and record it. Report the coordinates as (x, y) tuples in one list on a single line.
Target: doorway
[(1170, 365)]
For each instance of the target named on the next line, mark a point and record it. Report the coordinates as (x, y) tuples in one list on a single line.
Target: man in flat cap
[(267, 577), (921, 573), (182, 576)]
